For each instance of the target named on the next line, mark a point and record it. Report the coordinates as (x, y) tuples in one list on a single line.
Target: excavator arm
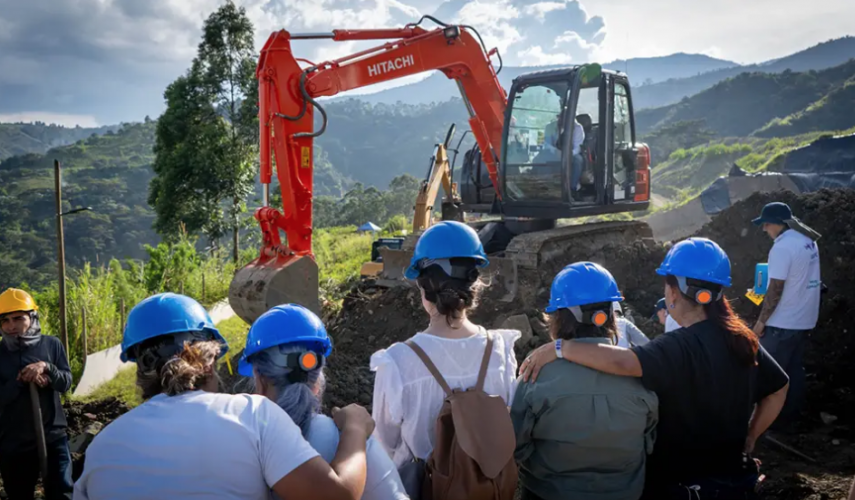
[(286, 272)]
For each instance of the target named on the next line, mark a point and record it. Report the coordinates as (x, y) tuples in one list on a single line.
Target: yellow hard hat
[(15, 299)]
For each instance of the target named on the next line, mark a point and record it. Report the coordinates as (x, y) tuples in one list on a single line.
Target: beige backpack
[(473, 457)]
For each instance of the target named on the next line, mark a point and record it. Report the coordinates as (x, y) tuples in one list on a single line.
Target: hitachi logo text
[(387, 66)]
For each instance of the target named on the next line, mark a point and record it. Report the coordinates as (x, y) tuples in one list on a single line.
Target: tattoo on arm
[(773, 297)]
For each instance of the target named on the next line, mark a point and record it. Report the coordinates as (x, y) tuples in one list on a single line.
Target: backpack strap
[(485, 361), (430, 366)]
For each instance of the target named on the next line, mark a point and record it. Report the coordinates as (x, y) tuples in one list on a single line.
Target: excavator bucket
[(267, 282)]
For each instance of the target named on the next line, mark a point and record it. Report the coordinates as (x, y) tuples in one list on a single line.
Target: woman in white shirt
[(628, 334), (187, 441), (446, 265), (285, 353)]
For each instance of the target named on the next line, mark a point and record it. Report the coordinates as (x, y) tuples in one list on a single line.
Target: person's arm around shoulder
[(295, 470), (772, 386), (601, 357)]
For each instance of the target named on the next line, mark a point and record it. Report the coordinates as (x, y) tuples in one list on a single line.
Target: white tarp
[(102, 366)]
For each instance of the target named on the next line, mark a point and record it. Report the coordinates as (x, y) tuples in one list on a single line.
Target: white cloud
[(535, 56), (50, 118)]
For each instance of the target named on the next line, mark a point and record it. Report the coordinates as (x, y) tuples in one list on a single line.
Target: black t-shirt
[(706, 398)]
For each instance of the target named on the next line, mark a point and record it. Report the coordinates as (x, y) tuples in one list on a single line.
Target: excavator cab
[(569, 149), (570, 146)]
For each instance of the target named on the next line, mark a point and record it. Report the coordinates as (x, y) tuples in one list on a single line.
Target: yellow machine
[(439, 174)]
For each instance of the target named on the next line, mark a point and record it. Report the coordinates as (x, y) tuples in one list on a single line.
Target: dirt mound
[(373, 318), (832, 214), (81, 415)]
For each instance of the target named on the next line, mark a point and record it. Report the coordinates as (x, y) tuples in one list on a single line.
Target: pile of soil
[(81, 415), (374, 318)]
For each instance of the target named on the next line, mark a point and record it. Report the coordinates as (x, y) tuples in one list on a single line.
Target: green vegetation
[(687, 172), (746, 103), (18, 139)]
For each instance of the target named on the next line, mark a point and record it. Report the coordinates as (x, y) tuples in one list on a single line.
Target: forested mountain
[(643, 71), (819, 57), (788, 103), (109, 173), (38, 137)]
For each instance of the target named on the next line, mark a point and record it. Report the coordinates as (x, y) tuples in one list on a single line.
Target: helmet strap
[(701, 292), (299, 363), (591, 314), (466, 272)]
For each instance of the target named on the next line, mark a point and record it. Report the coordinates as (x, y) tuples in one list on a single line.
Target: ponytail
[(741, 340)]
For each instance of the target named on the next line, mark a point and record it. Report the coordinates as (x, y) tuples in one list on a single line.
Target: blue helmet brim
[(245, 368)]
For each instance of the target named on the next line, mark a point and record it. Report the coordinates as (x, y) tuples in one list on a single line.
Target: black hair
[(452, 296)]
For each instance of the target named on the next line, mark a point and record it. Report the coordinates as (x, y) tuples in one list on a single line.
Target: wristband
[(558, 349)]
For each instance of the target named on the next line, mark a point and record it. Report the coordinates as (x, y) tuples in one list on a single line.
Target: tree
[(205, 141)]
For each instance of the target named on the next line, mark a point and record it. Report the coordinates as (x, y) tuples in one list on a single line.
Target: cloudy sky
[(99, 62)]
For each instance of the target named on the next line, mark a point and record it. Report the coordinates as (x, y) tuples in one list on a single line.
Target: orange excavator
[(561, 146)]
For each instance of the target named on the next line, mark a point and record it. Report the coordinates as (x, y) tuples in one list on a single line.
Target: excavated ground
[(373, 318)]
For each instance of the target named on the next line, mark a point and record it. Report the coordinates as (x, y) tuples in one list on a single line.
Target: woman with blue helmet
[(187, 441), (446, 266), (718, 389), (286, 351), (580, 433)]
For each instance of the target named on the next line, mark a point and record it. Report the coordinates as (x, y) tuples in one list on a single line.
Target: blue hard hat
[(165, 314), (697, 258), (582, 283), (774, 213), (446, 240), (285, 324)]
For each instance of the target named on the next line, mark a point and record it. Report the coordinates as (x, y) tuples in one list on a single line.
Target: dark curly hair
[(452, 296)]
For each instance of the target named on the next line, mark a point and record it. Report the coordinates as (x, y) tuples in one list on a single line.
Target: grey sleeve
[(652, 401), (523, 420), (635, 335), (59, 373)]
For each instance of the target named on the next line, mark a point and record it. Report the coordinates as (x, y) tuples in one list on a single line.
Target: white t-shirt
[(671, 324), (382, 481), (195, 445), (407, 398), (794, 258), (629, 334)]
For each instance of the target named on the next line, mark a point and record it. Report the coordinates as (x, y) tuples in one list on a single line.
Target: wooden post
[(83, 341), (182, 287), (203, 286), (122, 316), (60, 239)]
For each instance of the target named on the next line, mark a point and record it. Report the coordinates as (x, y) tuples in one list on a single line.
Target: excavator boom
[(286, 271)]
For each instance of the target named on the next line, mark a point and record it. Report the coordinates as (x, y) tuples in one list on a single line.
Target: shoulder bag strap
[(430, 366), (485, 362)]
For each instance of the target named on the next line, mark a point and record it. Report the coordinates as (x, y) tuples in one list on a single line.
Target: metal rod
[(265, 195), (41, 446), (63, 327), (312, 36), (788, 448)]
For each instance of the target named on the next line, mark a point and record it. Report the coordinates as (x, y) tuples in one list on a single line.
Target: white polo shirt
[(195, 445), (794, 259)]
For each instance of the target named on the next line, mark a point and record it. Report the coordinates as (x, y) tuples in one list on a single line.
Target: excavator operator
[(554, 131)]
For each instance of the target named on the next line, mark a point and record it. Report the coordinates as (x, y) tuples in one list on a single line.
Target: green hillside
[(687, 172), (836, 110), (819, 57), (109, 173), (746, 103), (23, 138)]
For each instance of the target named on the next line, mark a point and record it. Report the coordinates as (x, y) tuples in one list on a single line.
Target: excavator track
[(531, 260)]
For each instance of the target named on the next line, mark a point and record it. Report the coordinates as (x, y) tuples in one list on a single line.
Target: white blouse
[(407, 398)]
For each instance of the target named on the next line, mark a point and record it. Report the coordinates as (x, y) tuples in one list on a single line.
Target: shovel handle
[(41, 446)]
